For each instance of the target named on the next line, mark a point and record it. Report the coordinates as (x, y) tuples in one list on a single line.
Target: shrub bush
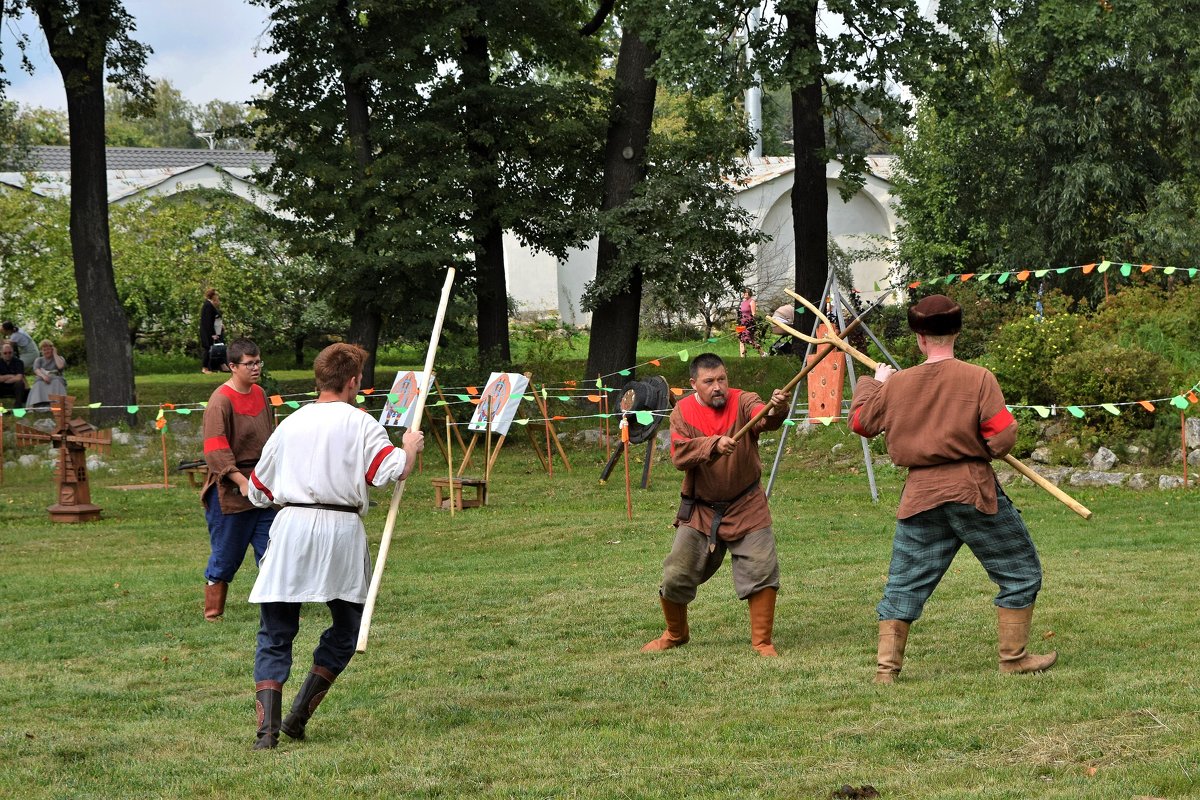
[(1107, 372), (1023, 353)]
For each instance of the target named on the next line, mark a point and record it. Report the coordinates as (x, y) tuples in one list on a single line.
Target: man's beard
[(717, 401)]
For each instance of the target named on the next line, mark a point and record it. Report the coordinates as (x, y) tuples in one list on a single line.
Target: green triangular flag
[(1178, 401), (360, 399), (184, 411), (1126, 269), (1192, 272), (93, 405), (393, 397), (789, 422), (644, 417), (1076, 411), (462, 398), (1041, 273), (521, 421), (1042, 411), (1169, 271), (1061, 270), (683, 355), (1103, 266), (131, 409), (1003, 277), (984, 277), (1110, 408), (564, 398), (626, 372), (292, 403)]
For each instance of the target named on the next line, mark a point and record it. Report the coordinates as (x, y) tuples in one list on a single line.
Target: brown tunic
[(236, 426), (695, 429), (945, 421)]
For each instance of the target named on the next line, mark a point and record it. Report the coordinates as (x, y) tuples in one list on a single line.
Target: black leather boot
[(312, 692), (268, 702)]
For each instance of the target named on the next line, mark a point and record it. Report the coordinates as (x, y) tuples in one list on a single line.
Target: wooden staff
[(872, 364), (398, 492), (818, 356)]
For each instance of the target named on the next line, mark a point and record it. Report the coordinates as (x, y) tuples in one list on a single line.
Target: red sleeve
[(259, 485), (376, 461)]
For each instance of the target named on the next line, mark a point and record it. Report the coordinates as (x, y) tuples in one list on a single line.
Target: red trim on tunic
[(216, 443), (376, 461), (996, 424), (854, 425), (260, 486), (710, 421), (250, 404)]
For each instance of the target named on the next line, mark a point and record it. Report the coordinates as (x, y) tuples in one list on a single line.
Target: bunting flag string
[(1181, 401), (1125, 268)]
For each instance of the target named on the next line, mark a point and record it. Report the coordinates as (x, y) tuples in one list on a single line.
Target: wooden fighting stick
[(398, 492), (872, 364), (72, 437)]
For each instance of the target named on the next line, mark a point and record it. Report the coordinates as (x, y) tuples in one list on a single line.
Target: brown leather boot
[(677, 628), (893, 636), (214, 600), (1013, 626), (312, 692), (268, 704), (762, 621)]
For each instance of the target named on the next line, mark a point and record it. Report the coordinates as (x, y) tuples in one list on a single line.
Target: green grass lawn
[(504, 663)]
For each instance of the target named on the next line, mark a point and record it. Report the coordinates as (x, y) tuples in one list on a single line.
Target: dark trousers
[(230, 534), (16, 391), (280, 622)]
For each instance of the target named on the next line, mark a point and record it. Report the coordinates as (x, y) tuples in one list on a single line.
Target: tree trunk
[(365, 318), (364, 331), (105, 325), (491, 287), (613, 343), (810, 197)]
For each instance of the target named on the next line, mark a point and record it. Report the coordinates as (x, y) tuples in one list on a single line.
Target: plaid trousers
[(926, 543)]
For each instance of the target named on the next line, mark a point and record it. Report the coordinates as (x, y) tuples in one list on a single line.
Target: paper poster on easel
[(406, 389), (500, 398)]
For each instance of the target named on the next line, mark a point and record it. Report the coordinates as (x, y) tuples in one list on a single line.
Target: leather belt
[(323, 506)]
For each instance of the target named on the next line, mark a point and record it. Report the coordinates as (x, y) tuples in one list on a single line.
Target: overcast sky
[(205, 48)]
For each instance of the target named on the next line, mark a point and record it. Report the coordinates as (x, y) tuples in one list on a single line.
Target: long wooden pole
[(1009, 459), (818, 357), (398, 492)]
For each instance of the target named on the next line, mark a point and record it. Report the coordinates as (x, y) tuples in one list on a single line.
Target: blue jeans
[(230, 535), (280, 622)]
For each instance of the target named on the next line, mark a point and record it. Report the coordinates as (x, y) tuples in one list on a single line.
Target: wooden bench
[(440, 485)]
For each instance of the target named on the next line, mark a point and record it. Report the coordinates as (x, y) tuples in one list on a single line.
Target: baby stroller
[(786, 344)]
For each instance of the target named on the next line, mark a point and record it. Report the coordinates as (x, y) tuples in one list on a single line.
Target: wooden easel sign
[(500, 399), (406, 388)]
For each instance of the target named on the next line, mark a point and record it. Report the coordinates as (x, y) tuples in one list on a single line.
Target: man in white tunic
[(318, 466)]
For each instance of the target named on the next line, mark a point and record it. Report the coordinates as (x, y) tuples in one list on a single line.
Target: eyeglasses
[(249, 364)]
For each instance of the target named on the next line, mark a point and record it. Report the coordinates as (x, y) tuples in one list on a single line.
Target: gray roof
[(56, 159)]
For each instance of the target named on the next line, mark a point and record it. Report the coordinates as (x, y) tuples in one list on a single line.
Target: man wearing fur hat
[(946, 420)]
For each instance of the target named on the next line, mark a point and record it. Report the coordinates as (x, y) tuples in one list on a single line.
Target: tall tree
[(837, 58), (666, 215), (1055, 133), (85, 38)]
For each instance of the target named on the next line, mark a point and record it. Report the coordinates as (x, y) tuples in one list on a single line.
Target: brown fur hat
[(936, 315)]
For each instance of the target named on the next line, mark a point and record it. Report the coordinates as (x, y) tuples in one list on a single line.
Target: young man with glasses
[(237, 423)]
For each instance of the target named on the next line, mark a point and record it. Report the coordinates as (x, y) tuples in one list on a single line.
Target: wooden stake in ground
[(625, 447), (871, 364), (398, 492), (450, 465)]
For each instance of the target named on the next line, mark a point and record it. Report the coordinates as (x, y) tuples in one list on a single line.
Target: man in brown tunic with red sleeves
[(723, 507), (946, 420), (237, 423)]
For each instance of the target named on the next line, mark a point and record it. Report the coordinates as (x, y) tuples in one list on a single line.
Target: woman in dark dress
[(212, 331)]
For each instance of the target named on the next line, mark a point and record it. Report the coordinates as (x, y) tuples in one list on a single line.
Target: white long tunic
[(324, 453)]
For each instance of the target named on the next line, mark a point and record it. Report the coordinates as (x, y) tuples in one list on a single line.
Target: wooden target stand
[(826, 383)]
